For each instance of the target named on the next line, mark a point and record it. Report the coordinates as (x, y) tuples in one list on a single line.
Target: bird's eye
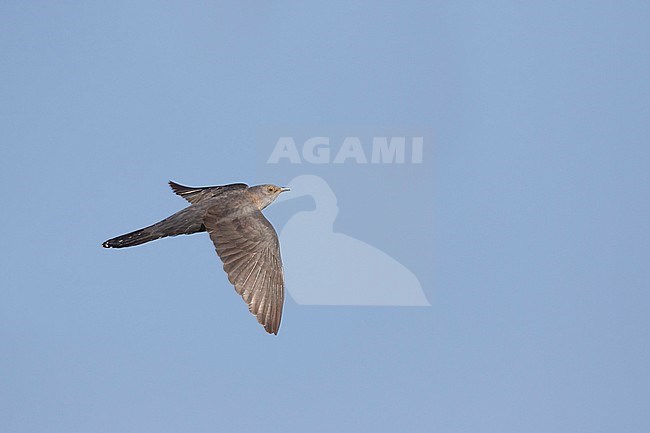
[(270, 189)]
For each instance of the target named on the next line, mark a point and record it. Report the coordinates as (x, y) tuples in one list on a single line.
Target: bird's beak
[(284, 189)]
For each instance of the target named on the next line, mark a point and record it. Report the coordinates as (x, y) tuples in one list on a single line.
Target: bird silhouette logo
[(329, 268)]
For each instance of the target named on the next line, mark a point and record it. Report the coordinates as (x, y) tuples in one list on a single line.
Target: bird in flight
[(244, 239)]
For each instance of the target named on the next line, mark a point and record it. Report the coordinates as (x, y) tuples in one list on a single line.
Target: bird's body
[(244, 239)]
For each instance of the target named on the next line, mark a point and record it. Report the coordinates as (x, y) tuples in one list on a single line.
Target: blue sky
[(529, 232)]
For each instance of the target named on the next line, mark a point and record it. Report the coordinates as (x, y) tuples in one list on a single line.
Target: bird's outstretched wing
[(249, 249), (195, 194)]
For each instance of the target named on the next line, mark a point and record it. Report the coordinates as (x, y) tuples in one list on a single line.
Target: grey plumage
[(244, 239)]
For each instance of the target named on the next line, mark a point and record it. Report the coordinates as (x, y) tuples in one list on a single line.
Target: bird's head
[(265, 194)]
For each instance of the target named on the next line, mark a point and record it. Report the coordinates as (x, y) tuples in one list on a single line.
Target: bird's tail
[(134, 238), (185, 222)]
